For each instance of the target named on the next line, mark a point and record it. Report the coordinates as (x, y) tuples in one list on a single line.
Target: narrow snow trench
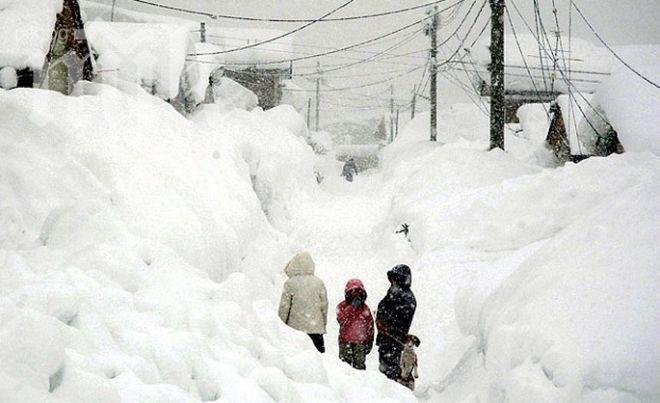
[(343, 230), (350, 232)]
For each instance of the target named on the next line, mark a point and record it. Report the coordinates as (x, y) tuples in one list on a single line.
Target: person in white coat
[(304, 301)]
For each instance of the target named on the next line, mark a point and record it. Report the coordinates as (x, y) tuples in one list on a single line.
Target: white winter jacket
[(304, 302)]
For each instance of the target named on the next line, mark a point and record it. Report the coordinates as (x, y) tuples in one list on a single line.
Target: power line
[(360, 60), (312, 46), (568, 82), (288, 33), (339, 67), (342, 49), (334, 89), (631, 68), (286, 20), (522, 55)]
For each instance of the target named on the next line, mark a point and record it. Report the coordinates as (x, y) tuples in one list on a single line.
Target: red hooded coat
[(356, 325)]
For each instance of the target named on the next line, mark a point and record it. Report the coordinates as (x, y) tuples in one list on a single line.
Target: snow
[(273, 144), (137, 262), (578, 319), (232, 95), (230, 38), (95, 11), (26, 28), (8, 78), (632, 106), (585, 59), (540, 284), (141, 252), (207, 68), (143, 53)]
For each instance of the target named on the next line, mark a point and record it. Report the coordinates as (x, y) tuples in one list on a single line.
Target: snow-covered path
[(340, 229)]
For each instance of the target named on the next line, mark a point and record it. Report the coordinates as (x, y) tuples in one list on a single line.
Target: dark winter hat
[(401, 275)]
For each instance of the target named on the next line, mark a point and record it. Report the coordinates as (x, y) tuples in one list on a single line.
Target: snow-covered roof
[(230, 38), (625, 101), (93, 11), (143, 53), (632, 106), (26, 28)]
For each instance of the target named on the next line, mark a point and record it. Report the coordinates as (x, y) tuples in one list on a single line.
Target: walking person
[(356, 325), (393, 319), (304, 301), (349, 170)]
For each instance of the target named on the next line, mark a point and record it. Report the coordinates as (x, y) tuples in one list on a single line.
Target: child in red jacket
[(356, 325)]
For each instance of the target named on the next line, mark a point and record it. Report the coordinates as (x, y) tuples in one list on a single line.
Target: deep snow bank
[(136, 263), (633, 107), (578, 320), (575, 248), (280, 162)]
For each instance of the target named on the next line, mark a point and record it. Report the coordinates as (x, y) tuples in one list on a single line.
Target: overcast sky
[(620, 22)]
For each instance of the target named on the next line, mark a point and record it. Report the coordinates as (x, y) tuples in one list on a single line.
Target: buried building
[(44, 45)]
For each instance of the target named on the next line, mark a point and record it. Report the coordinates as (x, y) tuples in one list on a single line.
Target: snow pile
[(26, 29), (230, 95), (8, 78), (286, 116), (150, 54), (281, 163), (632, 106), (136, 264), (578, 319), (575, 250)]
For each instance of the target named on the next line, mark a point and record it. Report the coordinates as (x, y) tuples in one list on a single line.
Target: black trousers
[(317, 339), (389, 356)]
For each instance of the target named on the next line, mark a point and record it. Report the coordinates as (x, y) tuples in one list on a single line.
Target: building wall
[(266, 84)]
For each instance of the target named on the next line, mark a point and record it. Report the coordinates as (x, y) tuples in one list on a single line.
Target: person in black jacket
[(393, 319), (349, 170)]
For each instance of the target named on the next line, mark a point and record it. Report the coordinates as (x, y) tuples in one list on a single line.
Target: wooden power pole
[(318, 94), (413, 102), (309, 112), (433, 29), (497, 113), (202, 32), (391, 112)]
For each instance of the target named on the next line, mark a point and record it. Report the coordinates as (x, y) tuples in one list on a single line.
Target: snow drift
[(541, 284), (136, 263)]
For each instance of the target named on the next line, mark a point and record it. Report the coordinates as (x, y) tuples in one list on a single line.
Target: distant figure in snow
[(304, 301), (356, 325), (393, 319), (349, 170)]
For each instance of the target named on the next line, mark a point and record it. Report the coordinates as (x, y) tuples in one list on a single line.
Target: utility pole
[(432, 31), (112, 12), (202, 31), (397, 124), (434, 75), (318, 94), (309, 111), (391, 112), (497, 113), (413, 102)]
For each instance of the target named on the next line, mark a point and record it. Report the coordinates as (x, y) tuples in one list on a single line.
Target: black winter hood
[(400, 275)]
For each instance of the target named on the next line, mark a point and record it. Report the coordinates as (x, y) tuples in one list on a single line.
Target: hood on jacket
[(355, 287), (301, 265), (400, 275)]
